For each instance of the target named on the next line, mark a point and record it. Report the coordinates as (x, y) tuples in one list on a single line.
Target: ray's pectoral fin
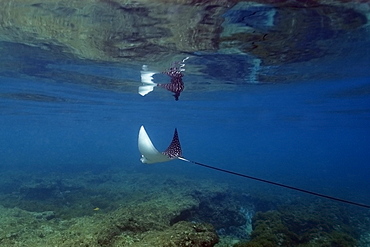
[(150, 155), (174, 149)]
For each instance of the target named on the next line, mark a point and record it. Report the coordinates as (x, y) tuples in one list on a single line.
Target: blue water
[(313, 134)]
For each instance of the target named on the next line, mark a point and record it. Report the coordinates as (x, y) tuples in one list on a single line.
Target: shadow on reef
[(67, 198), (224, 211)]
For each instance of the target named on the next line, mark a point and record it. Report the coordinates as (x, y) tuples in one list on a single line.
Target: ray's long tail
[(276, 184)]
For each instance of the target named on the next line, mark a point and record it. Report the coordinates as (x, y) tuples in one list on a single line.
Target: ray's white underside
[(149, 154)]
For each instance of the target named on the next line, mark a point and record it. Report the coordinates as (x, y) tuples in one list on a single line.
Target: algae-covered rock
[(147, 215), (302, 225), (159, 210), (182, 234), (155, 214), (270, 230)]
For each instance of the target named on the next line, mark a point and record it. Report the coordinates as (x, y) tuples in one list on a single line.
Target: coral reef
[(147, 215), (117, 208)]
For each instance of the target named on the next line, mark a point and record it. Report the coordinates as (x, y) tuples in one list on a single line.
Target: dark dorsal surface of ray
[(174, 149)]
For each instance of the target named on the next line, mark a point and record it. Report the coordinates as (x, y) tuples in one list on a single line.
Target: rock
[(182, 234), (46, 215)]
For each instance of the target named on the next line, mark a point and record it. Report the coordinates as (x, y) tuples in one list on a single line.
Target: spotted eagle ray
[(150, 155), (175, 86)]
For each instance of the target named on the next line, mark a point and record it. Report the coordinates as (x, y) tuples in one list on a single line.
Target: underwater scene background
[(278, 90)]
